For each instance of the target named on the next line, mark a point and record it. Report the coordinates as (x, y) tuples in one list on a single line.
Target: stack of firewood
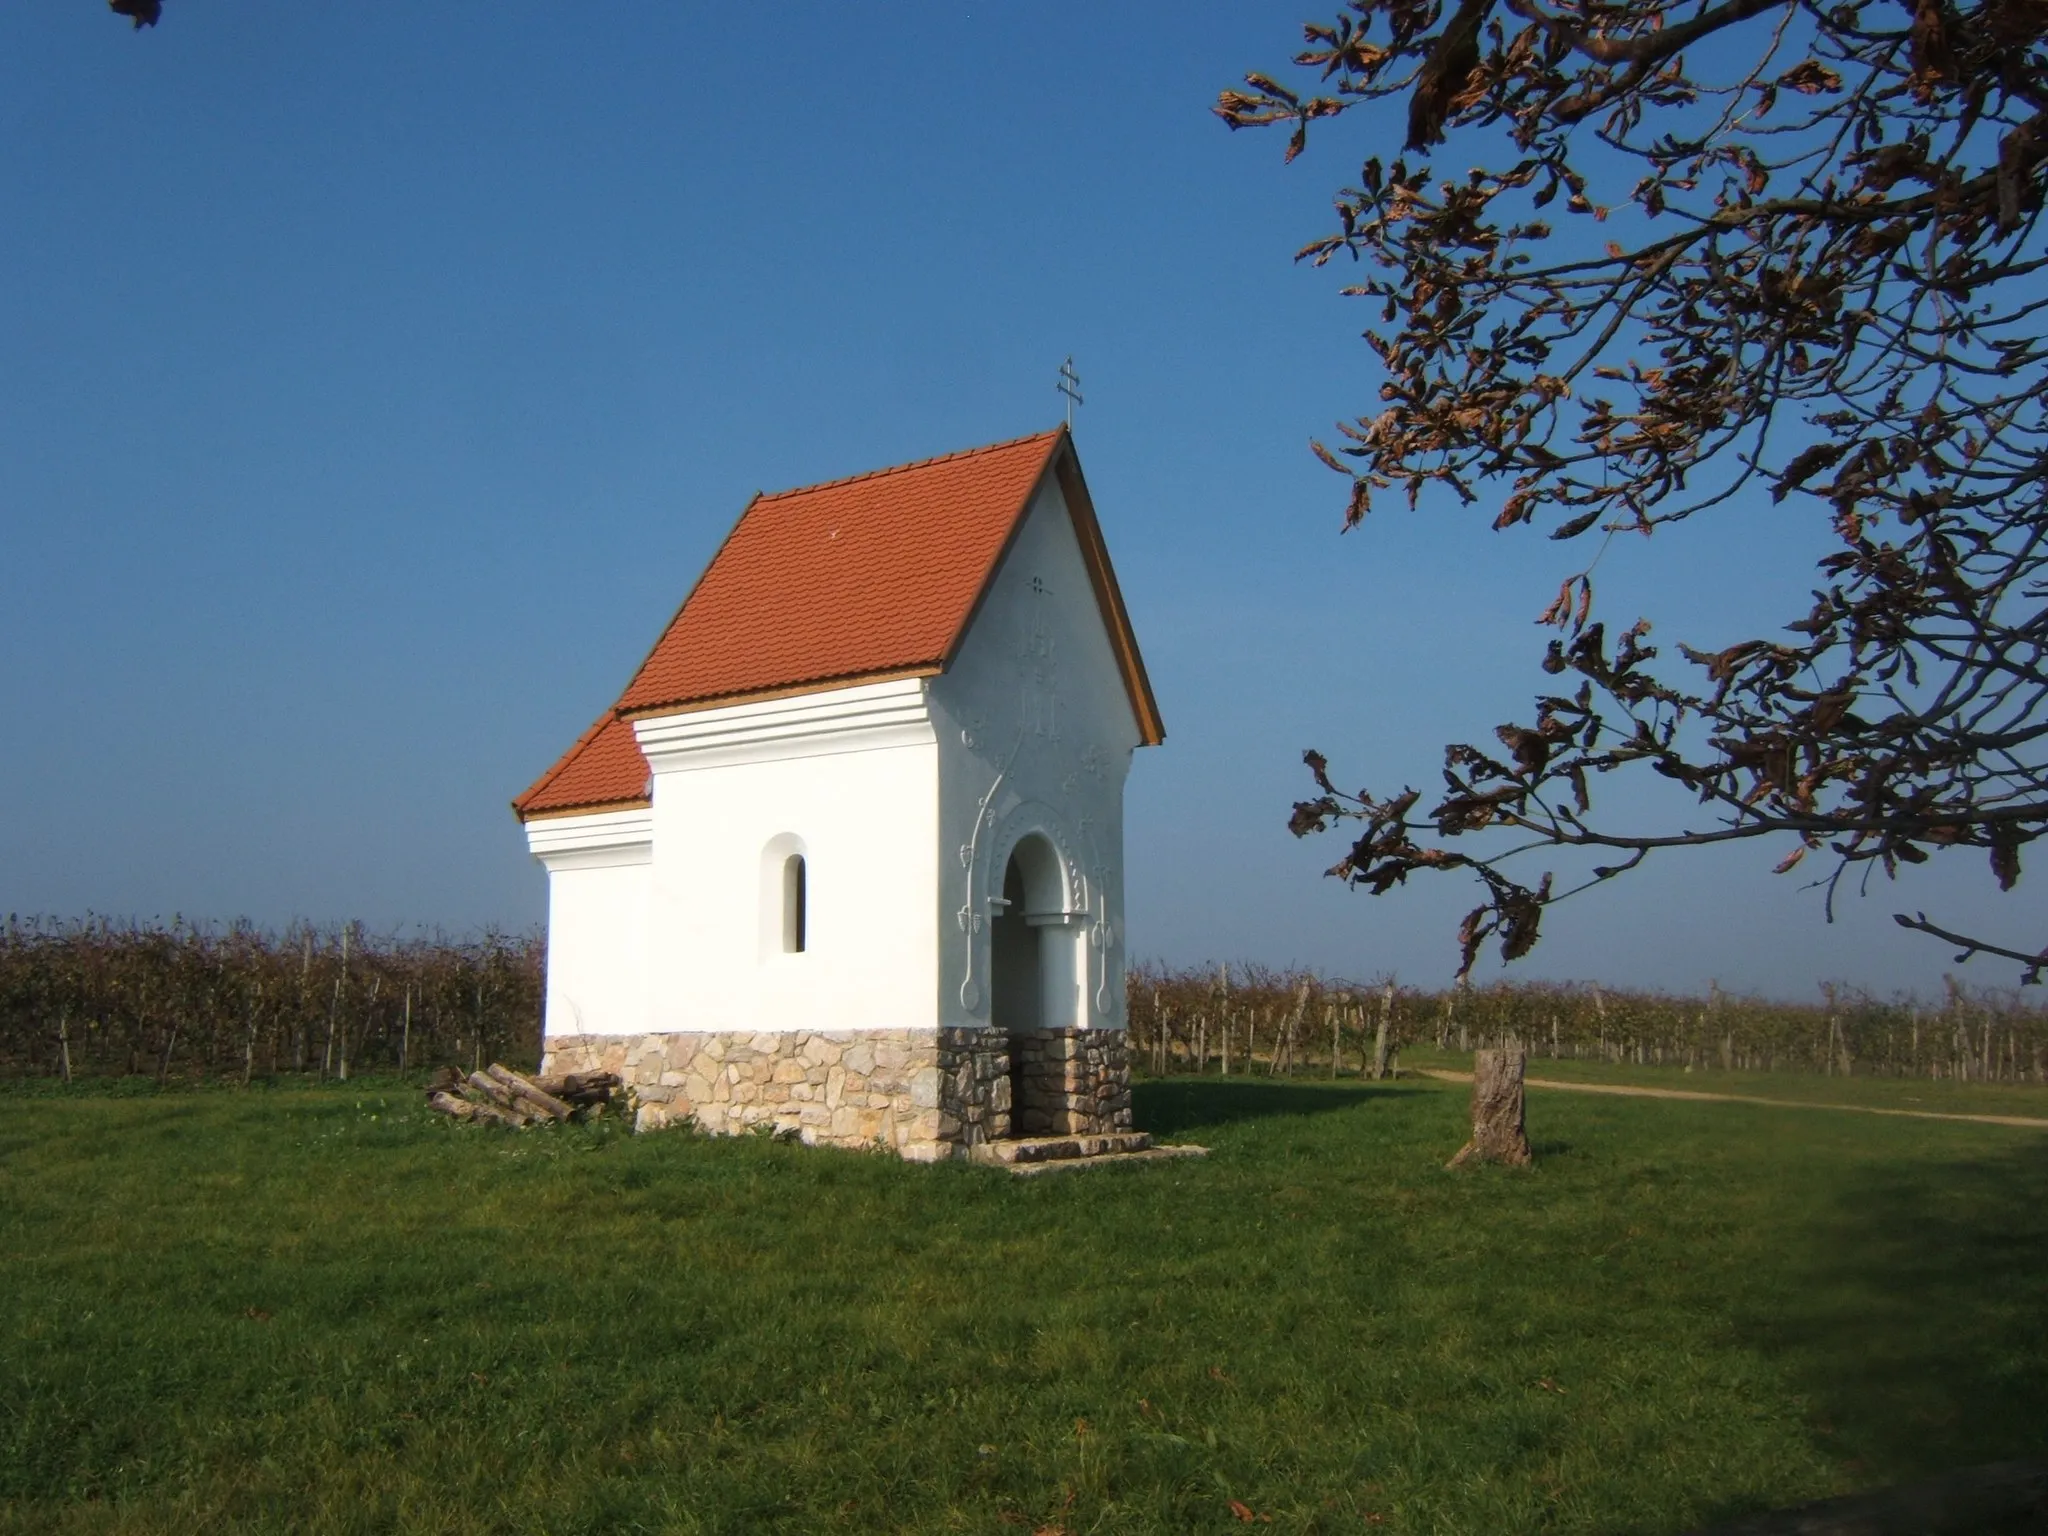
[(499, 1096)]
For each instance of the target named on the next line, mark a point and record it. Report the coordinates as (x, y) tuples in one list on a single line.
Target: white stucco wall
[(850, 777), (1035, 733), (600, 878)]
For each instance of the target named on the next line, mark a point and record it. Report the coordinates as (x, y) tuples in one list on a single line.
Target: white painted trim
[(600, 840), (863, 718), (598, 858)]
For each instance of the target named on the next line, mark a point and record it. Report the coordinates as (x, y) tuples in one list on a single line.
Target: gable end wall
[(1035, 734)]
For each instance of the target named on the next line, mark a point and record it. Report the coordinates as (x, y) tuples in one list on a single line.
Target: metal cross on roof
[(1069, 385)]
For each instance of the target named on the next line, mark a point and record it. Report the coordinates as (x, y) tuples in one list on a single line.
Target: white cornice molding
[(862, 718), (599, 840)]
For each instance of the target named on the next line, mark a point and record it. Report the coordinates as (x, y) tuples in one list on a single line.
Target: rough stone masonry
[(925, 1094)]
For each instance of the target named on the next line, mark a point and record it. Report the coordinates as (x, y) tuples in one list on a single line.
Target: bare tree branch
[(1810, 265)]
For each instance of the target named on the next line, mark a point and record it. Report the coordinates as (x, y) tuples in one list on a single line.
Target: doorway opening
[(1024, 994)]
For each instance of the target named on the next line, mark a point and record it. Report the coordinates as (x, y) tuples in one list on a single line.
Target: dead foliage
[(1673, 259)]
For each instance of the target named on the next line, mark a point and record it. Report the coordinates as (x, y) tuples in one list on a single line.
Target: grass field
[(1940, 1096), (321, 1310)]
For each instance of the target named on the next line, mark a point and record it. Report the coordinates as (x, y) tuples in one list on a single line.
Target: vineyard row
[(99, 998), (185, 1002), (1252, 1019)]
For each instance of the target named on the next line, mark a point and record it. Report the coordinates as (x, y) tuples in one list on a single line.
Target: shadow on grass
[(1169, 1106), (1918, 1329)]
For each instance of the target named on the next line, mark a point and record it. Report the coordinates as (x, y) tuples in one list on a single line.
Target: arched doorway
[(1033, 979), (1013, 958)]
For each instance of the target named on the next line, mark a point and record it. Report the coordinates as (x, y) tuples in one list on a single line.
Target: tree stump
[(1497, 1134)]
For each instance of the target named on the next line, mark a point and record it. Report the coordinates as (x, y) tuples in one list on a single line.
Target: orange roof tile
[(603, 769), (848, 579), (877, 575)]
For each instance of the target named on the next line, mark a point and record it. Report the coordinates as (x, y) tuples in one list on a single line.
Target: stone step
[(1105, 1159), (1048, 1149)]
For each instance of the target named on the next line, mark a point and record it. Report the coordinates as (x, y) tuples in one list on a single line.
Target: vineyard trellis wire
[(104, 997)]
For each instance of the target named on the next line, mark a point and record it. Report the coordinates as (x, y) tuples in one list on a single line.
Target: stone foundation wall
[(843, 1088), (1070, 1082), (974, 1087), (924, 1094)]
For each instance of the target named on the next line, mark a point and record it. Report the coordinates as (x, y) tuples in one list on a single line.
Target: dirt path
[(1629, 1092)]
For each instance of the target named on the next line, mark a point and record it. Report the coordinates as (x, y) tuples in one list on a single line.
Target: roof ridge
[(897, 469)]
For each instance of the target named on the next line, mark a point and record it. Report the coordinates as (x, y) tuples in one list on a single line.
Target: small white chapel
[(845, 859)]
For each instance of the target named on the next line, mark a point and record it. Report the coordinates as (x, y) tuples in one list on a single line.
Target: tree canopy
[(1692, 253)]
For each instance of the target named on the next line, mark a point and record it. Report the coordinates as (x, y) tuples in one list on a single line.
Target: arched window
[(794, 905), (785, 897)]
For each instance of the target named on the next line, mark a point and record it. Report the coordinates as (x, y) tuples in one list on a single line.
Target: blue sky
[(377, 378)]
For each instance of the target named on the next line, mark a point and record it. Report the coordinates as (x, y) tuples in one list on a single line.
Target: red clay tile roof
[(603, 769), (873, 576)]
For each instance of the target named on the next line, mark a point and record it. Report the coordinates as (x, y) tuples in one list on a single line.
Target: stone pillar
[(1070, 1081), (974, 1087), (1061, 970)]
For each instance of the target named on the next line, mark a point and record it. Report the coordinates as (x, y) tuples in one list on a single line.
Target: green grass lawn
[(323, 1310), (1942, 1096)]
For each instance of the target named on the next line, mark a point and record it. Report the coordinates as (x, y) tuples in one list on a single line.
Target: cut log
[(1497, 1132), (492, 1090), (526, 1093), (581, 1090), (449, 1104), (499, 1096), (487, 1092), (475, 1113), (582, 1087)]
